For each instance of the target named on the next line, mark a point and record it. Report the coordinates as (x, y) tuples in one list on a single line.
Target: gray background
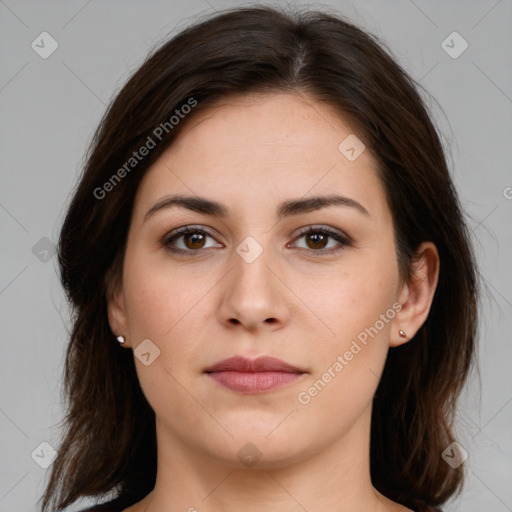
[(50, 108)]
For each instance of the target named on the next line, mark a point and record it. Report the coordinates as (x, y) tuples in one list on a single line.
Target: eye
[(193, 240), (317, 239)]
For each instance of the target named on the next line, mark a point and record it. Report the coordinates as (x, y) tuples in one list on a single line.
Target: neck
[(335, 479)]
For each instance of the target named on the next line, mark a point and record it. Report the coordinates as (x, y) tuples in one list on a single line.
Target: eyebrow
[(286, 209)]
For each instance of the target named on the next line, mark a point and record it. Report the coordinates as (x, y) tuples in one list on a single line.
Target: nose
[(254, 294)]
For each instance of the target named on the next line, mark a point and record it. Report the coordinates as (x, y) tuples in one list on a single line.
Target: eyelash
[(344, 240)]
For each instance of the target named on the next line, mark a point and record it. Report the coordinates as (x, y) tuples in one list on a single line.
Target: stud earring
[(121, 339), (402, 333)]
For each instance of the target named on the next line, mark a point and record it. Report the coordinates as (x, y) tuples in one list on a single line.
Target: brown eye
[(191, 241), (187, 240), (317, 240), (194, 240)]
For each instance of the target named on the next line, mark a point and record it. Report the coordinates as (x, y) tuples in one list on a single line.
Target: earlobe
[(416, 295), (117, 316)]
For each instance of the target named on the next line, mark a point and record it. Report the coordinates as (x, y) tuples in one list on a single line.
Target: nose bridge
[(252, 260), (252, 295)]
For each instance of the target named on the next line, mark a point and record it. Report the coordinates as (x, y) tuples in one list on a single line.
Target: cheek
[(158, 296), (159, 304), (347, 302), (169, 305), (348, 364), (356, 313)]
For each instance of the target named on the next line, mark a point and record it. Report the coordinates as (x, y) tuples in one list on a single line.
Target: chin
[(261, 445)]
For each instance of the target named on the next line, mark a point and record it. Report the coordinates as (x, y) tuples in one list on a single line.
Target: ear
[(116, 310), (416, 295)]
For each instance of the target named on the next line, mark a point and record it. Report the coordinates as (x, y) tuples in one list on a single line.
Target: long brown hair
[(109, 446)]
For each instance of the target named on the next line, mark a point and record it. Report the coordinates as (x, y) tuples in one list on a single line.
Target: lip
[(253, 375)]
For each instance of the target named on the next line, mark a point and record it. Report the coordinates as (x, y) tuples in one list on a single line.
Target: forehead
[(262, 147), (270, 124)]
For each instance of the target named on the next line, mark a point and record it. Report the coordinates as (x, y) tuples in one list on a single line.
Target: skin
[(250, 153)]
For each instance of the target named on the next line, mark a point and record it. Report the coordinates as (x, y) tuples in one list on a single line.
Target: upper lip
[(260, 364)]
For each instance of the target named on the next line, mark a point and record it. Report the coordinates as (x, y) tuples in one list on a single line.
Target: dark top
[(116, 506), (111, 506)]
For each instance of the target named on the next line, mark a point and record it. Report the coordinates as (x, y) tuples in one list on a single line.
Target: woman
[(274, 291)]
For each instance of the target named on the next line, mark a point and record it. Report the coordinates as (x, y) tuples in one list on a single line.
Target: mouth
[(253, 376)]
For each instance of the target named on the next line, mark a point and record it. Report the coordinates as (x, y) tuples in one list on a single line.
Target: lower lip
[(254, 382)]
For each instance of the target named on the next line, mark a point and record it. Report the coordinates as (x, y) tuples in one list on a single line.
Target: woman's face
[(250, 283)]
